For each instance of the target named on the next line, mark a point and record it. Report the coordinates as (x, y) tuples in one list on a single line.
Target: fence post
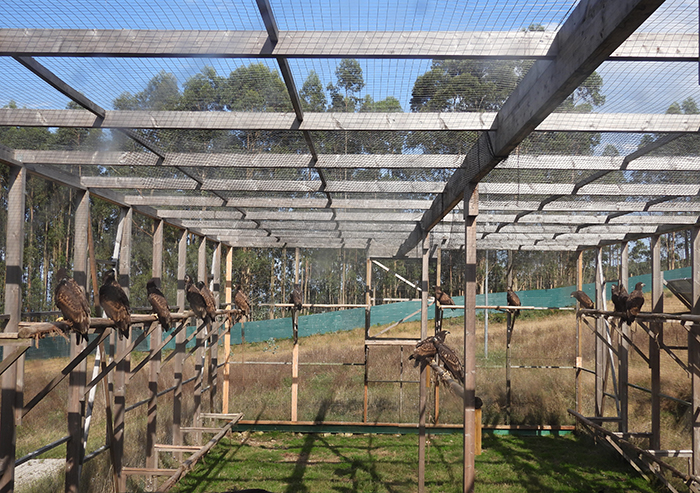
[(179, 342), (76, 380), (657, 305), (295, 345), (227, 334), (624, 349), (123, 366), (214, 342), (11, 403), (422, 393), (154, 365), (694, 350)]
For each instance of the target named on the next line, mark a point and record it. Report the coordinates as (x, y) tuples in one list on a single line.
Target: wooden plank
[(694, 351), (345, 122), (10, 359), (325, 44), (147, 471), (471, 212), (542, 89), (176, 448), (655, 339)]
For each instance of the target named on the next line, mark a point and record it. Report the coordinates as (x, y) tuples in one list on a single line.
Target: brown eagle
[(442, 297), (619, 295), (159, 304), (513, 300), (634, 302), (583, 299), (71, 300), (450, 360), (208, 299), (115, 303), (242, 302), (296, 298), (425, 349), (196, 300)]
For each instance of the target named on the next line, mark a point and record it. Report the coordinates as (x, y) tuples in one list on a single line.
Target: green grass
[(285, 462)]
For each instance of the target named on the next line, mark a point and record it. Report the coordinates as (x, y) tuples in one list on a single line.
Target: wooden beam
[(542, 89), (343, 122), (324, 44), (694, 352)]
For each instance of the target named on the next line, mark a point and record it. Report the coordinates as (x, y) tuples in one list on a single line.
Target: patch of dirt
[(36, 469)]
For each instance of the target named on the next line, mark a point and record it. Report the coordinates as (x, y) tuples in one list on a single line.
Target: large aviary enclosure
[(384, 130)]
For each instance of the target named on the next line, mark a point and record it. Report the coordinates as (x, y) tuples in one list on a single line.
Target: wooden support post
[(227, 334), (422, 393), (214, 341), (179, 343), (12, 400), (155, 340), (471, 201), (368, 322), (694, 351), (600, 353), (76, 380), (199, 352), (509, 336), (657, 305), (623, 349), (579, 346), (438, 326), (295, 344), (123, 366)]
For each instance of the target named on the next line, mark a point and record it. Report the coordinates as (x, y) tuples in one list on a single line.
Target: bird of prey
[(159, 304), (196, 300), (208, 299), (513, 300), (583, 299), (71, 300), (115, 303), (634, 302), (442, 297), (296, 297), (450, 360), (425, 349), (241, 301)]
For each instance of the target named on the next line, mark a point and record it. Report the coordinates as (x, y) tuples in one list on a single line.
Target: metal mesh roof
[(358, 125)]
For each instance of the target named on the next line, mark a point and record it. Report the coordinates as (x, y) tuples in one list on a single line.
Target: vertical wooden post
[(422, 393), (368, 321), (180, 338), (509, 335), (438, 326), (624, 349), (471, 201), (214, 342), (657, 305), (123, 367), (199, 352), (227, 334), (11, 402), (579, 342), (600, 352), (76, 381), (295, 344), (694, 351), (154, 365)]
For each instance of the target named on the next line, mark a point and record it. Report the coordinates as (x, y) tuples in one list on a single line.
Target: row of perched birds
[(443, 298), (627, 306), (71, 299)]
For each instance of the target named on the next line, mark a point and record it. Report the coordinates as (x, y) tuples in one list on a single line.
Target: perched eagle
[(442, 297), (296, 297), (634, 302), (425, 349), (71, 300), (583, 299), (618, 295), (115, 303), (242, 303), (208, 299), (450, 360), (159, 304), (513, 300), (196, 300)]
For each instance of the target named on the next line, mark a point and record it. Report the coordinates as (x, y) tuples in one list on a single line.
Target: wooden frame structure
[(568, 203)]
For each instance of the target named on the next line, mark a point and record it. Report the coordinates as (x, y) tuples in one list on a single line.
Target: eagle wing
[(160, 306), (71, 300), (115, 303), (451, 361), (583, 299), (197, 303), (242, 302), (296, 299)]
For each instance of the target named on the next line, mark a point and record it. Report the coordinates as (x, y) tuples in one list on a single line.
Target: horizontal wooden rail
[(680, 317), (41, 450)]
